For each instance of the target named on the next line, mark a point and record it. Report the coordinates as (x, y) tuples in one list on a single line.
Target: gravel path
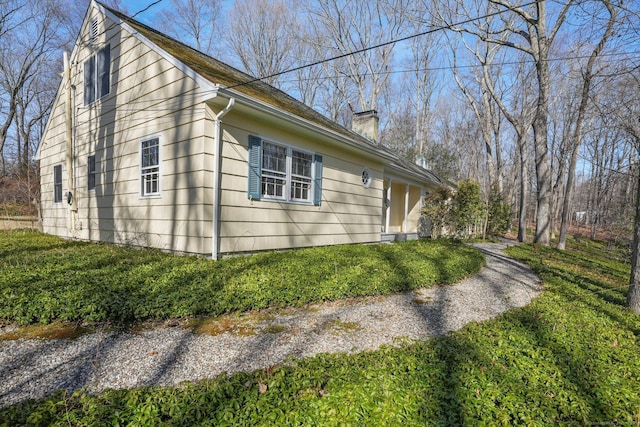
[(171, 353)]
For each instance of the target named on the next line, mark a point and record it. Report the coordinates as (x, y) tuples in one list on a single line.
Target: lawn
[(572, 357), (45, 278)]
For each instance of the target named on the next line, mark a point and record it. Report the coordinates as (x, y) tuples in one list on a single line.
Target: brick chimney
[(366, 124)]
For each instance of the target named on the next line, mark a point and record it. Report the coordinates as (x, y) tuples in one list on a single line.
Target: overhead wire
[(450, 67), (390, 42), (377, 46)]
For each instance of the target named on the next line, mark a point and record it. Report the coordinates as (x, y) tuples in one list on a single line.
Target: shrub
[(499, 214)]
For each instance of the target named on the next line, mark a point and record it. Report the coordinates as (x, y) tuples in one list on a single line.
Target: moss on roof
[(227, 76)]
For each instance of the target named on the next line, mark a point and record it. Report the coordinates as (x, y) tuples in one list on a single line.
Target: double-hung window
[(301, 175), (150, 167), (274, 171), (97, 77), (283, 172), (57, 184)]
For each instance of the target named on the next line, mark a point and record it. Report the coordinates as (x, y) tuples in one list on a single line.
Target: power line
[(115, 24), (450, 67), (355, 52), (146, 8)]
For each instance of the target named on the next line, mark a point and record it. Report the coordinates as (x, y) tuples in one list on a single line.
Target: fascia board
[(292, 118), (401, 174), (403, 179)]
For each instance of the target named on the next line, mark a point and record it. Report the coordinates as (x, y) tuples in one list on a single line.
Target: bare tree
[(342, 27), (623, 107), (194, 22), (23, 48), (260, 37), (422, 84), (576, 137), (526, 29), (483, 105), (519, 115)]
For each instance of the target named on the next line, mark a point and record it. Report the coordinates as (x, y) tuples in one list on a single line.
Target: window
[(283, 173), (97, 81), (301, 175), (57, 184), (274, 171), (150, 167), (91, 172)]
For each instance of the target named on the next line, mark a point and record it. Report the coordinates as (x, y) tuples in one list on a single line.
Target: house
[(151, 143)]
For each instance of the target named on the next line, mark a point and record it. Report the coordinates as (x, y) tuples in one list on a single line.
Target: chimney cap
[(366, 113)]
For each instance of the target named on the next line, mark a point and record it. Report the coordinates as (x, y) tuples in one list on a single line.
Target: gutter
[(217, 150), (299, 121)]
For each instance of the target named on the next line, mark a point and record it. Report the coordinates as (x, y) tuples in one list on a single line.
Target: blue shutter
[(317, 179), (255, 170)]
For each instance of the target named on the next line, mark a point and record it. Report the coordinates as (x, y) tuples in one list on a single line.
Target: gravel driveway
[(171, 353)]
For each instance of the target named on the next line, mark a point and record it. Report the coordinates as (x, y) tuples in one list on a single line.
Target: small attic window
[(366, 178), (93, 31)]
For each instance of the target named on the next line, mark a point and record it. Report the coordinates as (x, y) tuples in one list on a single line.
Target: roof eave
[(424, 178), (299, 121)]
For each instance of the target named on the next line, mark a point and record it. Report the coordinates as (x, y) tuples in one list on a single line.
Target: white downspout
[(217, 152), (70, 155), (388, 213), (405, 224)]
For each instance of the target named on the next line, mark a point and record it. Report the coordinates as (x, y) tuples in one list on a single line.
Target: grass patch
[(45, 278), (339, 325), (56, 330), (219, 326), (572, 357)]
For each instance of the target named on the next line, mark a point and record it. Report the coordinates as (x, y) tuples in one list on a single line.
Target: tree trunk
[(543, 211), (524, 179), (633, 296), (540, 133), (577, 136), (568, 195)]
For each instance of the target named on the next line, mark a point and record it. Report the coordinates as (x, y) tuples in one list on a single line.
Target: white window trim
[(140, 178), (287, 198)]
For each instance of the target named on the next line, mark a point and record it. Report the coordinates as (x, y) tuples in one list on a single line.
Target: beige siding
[(349, 213), (151, 97), (148, 96), (415, 195)]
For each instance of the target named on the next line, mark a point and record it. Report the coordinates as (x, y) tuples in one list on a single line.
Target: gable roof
[(224, 76), (234, 80)]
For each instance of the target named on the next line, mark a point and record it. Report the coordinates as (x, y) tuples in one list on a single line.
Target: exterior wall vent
[(93, 31)]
